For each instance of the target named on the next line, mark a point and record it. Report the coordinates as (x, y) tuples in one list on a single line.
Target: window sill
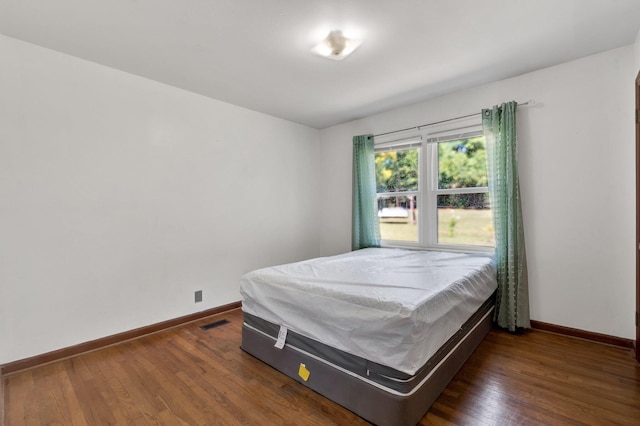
[(440, 247)]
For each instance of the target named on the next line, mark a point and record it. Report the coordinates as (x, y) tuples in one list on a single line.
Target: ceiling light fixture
[(336, 46)]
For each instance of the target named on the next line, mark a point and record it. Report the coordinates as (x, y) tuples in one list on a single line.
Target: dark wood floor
[(187, 376)]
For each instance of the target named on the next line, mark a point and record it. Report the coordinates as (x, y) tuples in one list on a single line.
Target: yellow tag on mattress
[(303, 372)]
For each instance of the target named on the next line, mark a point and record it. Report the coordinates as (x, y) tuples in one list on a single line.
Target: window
[(462, 196), (398, 185), (432, 190)]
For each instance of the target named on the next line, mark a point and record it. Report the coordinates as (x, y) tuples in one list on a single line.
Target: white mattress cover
[(391, 306)]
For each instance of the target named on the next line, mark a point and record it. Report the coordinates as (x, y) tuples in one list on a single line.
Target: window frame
[(426, 139), (405, 144)]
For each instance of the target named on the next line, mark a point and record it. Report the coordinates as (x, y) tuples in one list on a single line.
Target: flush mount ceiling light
[(336, 46)]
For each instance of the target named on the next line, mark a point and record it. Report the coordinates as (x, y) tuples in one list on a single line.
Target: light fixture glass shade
[(335, 46)]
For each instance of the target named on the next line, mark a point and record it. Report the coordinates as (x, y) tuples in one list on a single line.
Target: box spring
[(377, 393)]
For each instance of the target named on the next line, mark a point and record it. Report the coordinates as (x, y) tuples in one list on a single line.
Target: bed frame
[(331, 376)]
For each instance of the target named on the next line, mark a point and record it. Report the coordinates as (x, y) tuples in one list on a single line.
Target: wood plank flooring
[(187, 376)]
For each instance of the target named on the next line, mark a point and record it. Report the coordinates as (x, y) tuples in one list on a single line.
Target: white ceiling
[(255, 53)]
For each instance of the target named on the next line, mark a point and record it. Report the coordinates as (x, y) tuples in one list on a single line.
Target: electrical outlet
[(198, 296)]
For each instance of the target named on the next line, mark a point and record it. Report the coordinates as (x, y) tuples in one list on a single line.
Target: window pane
[(462, 163), (397, 170), (465, 219), (398, 218)]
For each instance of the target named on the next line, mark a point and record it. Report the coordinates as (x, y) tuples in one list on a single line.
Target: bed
[(379, 331)]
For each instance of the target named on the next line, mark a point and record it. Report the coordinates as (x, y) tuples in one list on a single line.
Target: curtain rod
[(530, 102)]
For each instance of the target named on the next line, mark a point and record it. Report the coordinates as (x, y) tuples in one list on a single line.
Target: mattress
[(383, 377), (374, 397), (393, 307)]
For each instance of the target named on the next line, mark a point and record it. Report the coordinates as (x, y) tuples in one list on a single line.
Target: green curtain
[(365, 229), (512, 304)]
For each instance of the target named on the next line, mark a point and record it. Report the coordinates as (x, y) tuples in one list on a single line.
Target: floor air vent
[(214, 324)]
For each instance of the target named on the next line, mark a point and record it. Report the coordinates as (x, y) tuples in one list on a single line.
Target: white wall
[(121, 196), (637, 51), (577, 182)]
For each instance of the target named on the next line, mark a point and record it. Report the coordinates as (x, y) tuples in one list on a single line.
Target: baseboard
[(56, 355), (92, 345), (583, 334), (1, 400)]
